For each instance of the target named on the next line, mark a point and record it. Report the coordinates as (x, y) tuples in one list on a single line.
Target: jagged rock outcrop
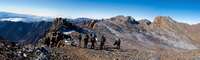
[(57, 23), (53, 36)]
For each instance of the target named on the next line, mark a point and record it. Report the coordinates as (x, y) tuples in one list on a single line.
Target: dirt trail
[(87, 54), (75, 53)]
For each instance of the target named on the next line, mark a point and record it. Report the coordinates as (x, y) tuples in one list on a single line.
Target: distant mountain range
[(21, 27)]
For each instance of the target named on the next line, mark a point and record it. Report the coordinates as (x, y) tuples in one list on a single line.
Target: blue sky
[(180, 10)]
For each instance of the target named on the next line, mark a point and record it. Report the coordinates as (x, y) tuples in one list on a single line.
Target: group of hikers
[(92, 38)]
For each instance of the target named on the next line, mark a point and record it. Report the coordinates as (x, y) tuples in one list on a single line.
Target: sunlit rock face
[(163, 22)]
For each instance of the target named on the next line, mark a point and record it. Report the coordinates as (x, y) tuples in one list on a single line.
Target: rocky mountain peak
[(163, 21), (124, 19), (56, 24), (119, 18)]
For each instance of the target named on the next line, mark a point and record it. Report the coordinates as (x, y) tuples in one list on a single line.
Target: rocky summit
[(115, 38)]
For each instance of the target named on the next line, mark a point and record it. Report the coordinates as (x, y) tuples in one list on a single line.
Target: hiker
[(47, 41), (93, 40), (117, 42), (80, 39), (86, 40), (102, 42)]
